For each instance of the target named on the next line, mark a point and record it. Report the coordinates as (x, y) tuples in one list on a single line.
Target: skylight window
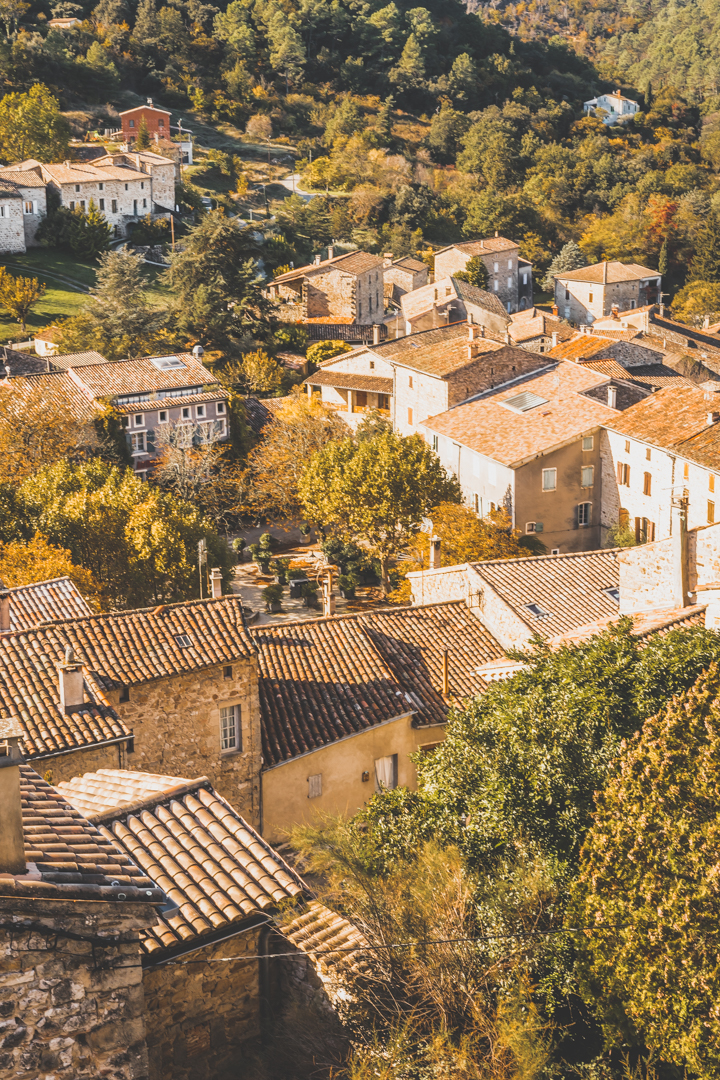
[(537, 611), (614, 594), (522, 403), (165, 363), (183, 641)]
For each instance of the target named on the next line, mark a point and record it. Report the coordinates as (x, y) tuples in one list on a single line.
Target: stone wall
[(593, 300), (176, 728), (405, 281), (200, 1015), (330, 293), (72, 1009), (435, 586), (463, 583), (138, 191), (12, 228), (85, 759), (502, 267)]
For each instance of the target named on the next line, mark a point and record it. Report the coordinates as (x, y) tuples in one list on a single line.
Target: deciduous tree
[(22, 563), (475, 273), (31, 126), (38, 426), (18, 295)]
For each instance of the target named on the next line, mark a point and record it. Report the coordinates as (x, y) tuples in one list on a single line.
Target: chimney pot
[(434, 552), (713, 417), (612, 397), (318, 260), (4, 611), (471, 332), (216, 583), (554, 338), (331, 251), (12, 844), (71, 684)]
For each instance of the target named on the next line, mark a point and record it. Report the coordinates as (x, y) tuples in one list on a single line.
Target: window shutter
[(619, 473), (35, 207), (150, 441)]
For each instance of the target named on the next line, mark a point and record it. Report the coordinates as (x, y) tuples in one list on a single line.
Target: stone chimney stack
[(387, 259), (331, 251), (434, 552), (376, 334), (216, 583), (612, 397), (318, 260), (12, 844), (72, 691), (4, 611), (328, 595)]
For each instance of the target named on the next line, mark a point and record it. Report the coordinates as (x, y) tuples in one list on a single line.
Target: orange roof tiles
[(119, 377), (540, 326), (608, 273), (59, 389), (345, 380), (331, 941), (438, 352), (486, 246), (579, 347), (43, 601), (668, 417), (490, 428), (324, 680), (352, 262), (645, 624), (68, 858)]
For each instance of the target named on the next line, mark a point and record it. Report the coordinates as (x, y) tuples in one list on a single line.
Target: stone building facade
[(159, 167), (348, 288), (501, 259), (30, 186), (121, 192), (584, 295)]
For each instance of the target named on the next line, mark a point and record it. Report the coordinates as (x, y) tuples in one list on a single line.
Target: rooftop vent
[(521, 403), (165, 363)]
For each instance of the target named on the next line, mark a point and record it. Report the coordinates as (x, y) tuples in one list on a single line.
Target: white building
[(22, 208), (612, 108)]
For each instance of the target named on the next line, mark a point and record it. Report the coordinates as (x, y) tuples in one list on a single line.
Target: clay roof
[(491, 428), (169, 402), (58, 388), (144, 108), (570, 589), (73, 359), (345, 380), (670, 417), (118, 377), (437, 352), (352, 262), (86, 173), (471, 294), (487, 246), (645, 624), (406, 262), (43, 601), (21, 363), (655, 375), (28, 178), (129, 158), (703, 448), (608, 273), (579, 347), (260, 411), (331, 941), (52, 334), (540, 326), (184, 836), (445, 290), (323, 680), (68, 858), (8, 189)]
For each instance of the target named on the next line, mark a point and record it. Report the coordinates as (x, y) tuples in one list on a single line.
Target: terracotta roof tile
[(119, 377), (669, 418), (28, 178), (653, 375), (352, 262), (43, 601), (569, 589), (58, 388), (323, 680), (169, 402), (579, 347), (486, 246), (345, 380), (77, 359), (317, 931), (609, 272), (436, 352), (418, 301), (68, 858), (540, 326), (645, 624), (406, 262), (213, 867)]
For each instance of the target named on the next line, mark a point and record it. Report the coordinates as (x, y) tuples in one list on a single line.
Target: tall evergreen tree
[(570, 258), (142, 141), (663, 262), (706, 264)]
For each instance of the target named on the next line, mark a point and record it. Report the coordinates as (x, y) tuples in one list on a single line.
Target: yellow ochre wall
[(342, 763)]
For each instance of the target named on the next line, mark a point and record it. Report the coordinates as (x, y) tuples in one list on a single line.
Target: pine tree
[(383, 122), (92, 233), (706, 264), (142, 142), (570, 258)]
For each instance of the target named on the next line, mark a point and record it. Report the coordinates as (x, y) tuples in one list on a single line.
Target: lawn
[(60, 299)]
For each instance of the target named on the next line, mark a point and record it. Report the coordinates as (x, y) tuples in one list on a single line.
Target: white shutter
[(314, 786), (35, 206)]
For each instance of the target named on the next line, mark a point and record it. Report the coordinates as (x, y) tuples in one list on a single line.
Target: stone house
[(121, 193), (403, 276), (533, 446), (632, 357), (419, 375), (537, 331), (590, 293), (509, 276), (160, 168), (12, 228), (448, 301), (344, 288), (613, 108), (156, 119), (30, 187), (346, 700)]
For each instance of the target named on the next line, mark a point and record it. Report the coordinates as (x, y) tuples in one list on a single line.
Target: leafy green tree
[(376, 491), (142, 142), (217, 286), (648, 885), (706, 264), (410, 72), (287, 52), (698, 301), (664, 259), (11, 11), (447, 129), (569, 258), (475, 273), (325, 350), (256, 373), (31, 126), (18, 295), (233, 26)]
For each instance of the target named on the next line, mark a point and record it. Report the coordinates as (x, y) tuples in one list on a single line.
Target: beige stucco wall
[(557, 510), (199, 1015), (341, 764), (580, 308), (427, 396), (12, 228), (176, 728)]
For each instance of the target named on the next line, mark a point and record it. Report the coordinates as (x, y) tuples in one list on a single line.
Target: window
[(183, 641), (230, 731), (137, 442), (383, 401), (496, 267), (644, 530), (476, 503), (199, 410), (132, 123), (359, 309), (584, 510), (495, 285), (142, 185), (77, 187), (361, 399), (168, 363), (138, 420), (509, 283), (686, 471), (163, 416), (525, 277), (113, 206), (711, 513), (124, 693), (314, 786), (386, 773), (28, 208), (161, 122), (590, 298), (126, 421), (613, 593), (537, 611), (186, 414), (101, 187), (410, 382), (647, 483), (227, 673), (410, 417), (588, 442), (82, 204), (648, 454), (144, 203), (567, 312), (530, 527), (587, 476), (509, 264), (101, 204), (126, 187), (567, 294), (555, 551), (435, 442), (72, 207), (549, 479), (372, 365), (623, 474)]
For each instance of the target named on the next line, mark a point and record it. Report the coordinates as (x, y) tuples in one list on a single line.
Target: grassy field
[(67, 281)]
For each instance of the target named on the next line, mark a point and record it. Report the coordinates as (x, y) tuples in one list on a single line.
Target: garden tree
[(31, 126), (325, 350), (376, 491), (570, 258), (18, 295), (664, 259), (698, 301), (142, 141), (196, 469), (475, 273), (38, 427), (706, 264), (300, 428), (116, 320), (11, 11), (217, 285), (138, 542), (287, 52), (85, 234), (22, 563), (255, 373), (648, 886)]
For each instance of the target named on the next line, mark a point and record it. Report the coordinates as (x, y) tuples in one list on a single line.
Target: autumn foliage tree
[(22, 563), (39, 426), (18, 295)]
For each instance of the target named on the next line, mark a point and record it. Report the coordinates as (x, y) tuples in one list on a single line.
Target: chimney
[(150, 102), (554, 338), (376, 334), (614, 312), (4, 611), (471, 332), (72, 692), (434, 312), (331, 251), (712, 418), (482, 243), (471, 351), (604, 280), (216, 583), (328, 595), (434, 552), (662, 309), (555, 309), (497, 233), (612, 397), (706, 322), (482, 331), (12, 844), (387, 259), (318, 260), (507, 337)]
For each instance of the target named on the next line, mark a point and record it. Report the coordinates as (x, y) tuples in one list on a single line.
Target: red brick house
[(157, 120)]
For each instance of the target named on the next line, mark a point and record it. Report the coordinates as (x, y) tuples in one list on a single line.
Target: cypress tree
[(142, 141), (663, 262), (706, 264)]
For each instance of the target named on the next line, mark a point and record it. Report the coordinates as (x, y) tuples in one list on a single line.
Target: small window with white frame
[(549, 479), (530, 526), (139, 420), (314, 786), (588, 442), (587, 476), (220, 408), (584, 514), (200, 411), (137, 442), (230, 728), (186, 413)]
